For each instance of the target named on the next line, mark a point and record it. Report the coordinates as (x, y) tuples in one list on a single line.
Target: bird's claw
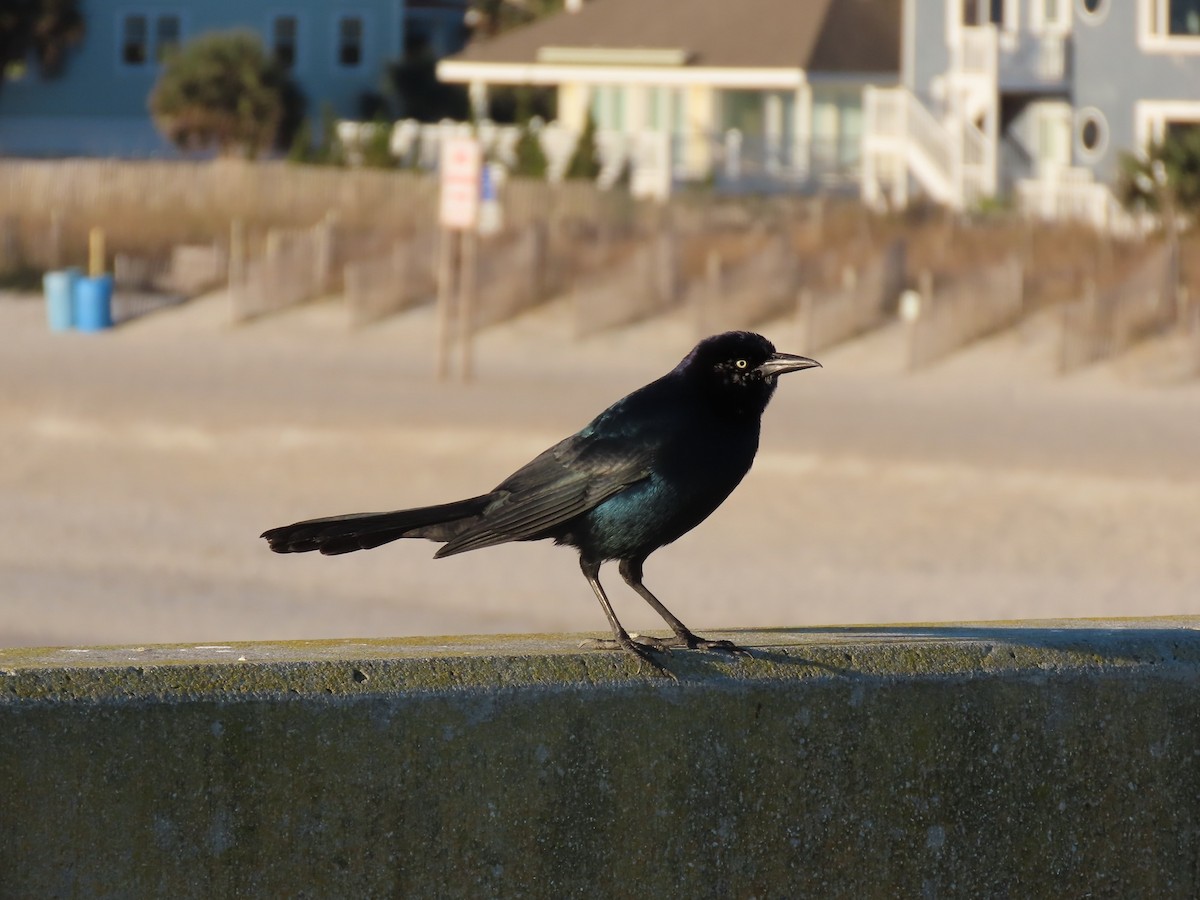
[(689, 641), (642, 646), (640, 649), (721, 647), (642, 643)]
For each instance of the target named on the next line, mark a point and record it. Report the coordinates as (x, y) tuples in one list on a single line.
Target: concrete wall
[(1046, 760)]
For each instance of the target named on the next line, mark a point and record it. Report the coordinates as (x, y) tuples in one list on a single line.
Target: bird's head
[(738, 370)]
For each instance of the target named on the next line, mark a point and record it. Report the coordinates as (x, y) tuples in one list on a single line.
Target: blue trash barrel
[(93, 303), (59, 290)]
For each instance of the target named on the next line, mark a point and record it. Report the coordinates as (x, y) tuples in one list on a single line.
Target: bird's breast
[(687, 482)]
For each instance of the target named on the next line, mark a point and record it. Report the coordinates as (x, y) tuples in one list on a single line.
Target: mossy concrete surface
[(1052, 759)]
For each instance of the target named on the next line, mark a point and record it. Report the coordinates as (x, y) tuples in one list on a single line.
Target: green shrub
[(221, 91)]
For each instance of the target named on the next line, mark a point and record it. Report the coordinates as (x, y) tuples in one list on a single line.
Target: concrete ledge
[(1002, 759)]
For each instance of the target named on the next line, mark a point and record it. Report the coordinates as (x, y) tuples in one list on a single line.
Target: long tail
[(362, 531)]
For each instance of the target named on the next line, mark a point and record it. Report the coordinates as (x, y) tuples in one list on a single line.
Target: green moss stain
[(352, 668)]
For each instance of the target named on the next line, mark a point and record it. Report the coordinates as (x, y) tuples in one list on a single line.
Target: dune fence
[(964, 309), (296, 267), (513, 274), (1104, 323), (643, 280), (865, 300), (186, 269), (758, 288), (404, 278)]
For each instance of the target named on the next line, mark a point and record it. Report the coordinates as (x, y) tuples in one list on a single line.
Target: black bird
[(641, 474)]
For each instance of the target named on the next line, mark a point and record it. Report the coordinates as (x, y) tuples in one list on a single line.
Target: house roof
[(814, 35)]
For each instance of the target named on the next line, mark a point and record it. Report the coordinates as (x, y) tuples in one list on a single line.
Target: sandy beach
[(138, 466)]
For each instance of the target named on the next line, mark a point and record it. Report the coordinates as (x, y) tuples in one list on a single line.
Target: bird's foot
[(641, 641), (688, 641), (641, 649)]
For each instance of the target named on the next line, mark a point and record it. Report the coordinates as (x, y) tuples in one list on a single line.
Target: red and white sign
[(461, 169)]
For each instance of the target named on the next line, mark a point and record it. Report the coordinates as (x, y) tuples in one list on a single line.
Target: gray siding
[(1112, 73), (929, 57)]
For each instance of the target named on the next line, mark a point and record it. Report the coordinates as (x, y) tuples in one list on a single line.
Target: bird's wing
[(565, 481)]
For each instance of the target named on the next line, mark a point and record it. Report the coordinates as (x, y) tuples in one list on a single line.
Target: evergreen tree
[(531, 159), (585, 161), (1166, 177), (42, 29), (377, 151)]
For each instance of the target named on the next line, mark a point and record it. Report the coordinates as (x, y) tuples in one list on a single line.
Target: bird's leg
[(621, 638), (631, 571)]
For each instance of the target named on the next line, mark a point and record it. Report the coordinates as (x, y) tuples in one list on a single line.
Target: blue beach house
[(336, 50)]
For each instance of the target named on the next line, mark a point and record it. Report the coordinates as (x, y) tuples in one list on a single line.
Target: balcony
[(1016, 61), (1034, 63)]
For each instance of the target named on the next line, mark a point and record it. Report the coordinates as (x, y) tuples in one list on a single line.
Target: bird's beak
[(779, 363)]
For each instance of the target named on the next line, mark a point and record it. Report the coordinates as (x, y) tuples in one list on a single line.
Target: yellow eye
[(741, 364)]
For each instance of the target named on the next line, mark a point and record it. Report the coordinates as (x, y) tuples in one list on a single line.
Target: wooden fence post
[(235, 275), (323, 255), (1018, 276), (805, 313), (10, 248), (96, 252), (664, 266), (710, 296), (469, 288), (924, 311), (446, 294)]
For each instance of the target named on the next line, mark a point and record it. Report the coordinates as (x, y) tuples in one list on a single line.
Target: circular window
[(1093, 8), (1093, 133)]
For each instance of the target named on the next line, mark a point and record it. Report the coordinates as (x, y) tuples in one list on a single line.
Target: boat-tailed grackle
[(645, 471)]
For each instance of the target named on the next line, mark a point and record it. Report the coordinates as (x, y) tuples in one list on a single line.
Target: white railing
[(894, 114), (1074, 195), (927, 133), (901, 135), (954, 159), (977, 52), (1052, 57), (653, 160), (977, 167), (1033, 59)]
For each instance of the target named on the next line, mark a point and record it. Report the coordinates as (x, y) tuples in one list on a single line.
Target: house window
[(744, 110), (166, 37), (656, 98), (664, 109), (1053, 136), (1181, 130), (146, 38), (1186, 17), (1054, 13), (284, 32), (1093, 133), (1156, 120), (135, 40), (350, 42), (982, 12), (608, 107), (1182, 17)]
